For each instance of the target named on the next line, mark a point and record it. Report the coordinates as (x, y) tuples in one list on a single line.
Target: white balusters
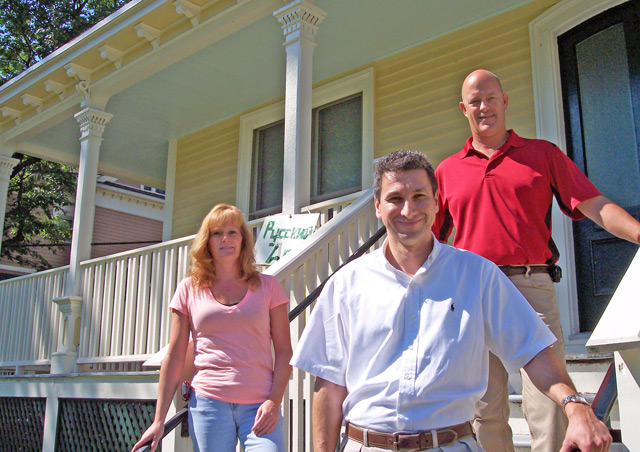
[(28, 319), (126, 316)]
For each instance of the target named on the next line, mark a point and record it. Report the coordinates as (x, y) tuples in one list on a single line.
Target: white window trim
[(543, 32), (360, 82)]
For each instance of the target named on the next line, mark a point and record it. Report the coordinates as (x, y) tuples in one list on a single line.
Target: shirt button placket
[(407, 385)]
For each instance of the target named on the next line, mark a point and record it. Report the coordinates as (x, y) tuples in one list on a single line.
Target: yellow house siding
[(206, 169), (418, 90)]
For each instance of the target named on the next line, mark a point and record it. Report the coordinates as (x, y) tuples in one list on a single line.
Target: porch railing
[(124, 315), (126, 299), (29, 321)]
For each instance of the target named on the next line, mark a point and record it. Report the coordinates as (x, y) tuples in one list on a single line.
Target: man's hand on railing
[(150, 438), (585, 431)]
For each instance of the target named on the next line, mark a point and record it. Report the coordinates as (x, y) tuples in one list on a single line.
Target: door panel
[(599, 62)]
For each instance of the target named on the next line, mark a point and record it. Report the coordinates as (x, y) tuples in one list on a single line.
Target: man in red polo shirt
[(497, 193)]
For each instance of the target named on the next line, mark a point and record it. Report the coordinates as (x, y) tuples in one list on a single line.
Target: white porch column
[(92, 124), (6, 167), (300, 20)]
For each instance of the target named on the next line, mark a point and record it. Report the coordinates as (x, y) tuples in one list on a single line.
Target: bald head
[(480, 76)]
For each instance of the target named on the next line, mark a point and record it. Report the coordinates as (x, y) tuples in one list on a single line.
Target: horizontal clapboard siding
[(206, 173), (418, 90)]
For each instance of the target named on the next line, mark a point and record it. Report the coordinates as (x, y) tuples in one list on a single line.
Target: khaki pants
[(547, 422)]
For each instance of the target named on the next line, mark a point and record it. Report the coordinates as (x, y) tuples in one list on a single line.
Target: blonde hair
[(202, 269)]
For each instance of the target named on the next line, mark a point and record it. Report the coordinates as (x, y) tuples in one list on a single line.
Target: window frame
[(359, 82)]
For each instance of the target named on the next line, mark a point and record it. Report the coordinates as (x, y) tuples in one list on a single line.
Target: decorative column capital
[(6, 167), (300, 20), (92, 122)]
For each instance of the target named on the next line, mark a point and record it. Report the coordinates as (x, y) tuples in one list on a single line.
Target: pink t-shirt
[(232, 355)]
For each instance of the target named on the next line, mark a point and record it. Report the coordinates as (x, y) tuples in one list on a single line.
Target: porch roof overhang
[(167, 68)]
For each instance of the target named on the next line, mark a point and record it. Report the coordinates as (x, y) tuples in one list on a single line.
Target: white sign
[(283, 233)]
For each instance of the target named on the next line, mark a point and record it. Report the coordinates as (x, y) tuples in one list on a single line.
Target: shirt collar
[(514, 140), (437, 246)]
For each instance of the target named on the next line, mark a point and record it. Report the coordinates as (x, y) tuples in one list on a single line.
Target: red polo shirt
[(501, 206)]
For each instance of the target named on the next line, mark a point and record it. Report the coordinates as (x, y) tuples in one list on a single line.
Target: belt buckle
[(396, 440)]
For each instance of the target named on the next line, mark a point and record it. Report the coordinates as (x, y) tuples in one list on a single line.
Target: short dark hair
[(402, 160)]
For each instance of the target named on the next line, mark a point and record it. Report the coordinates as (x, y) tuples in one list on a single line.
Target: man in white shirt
[(399, 339)]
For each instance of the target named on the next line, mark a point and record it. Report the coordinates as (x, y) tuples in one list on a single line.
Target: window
[(336, 149), (341, 148), (266, 170)]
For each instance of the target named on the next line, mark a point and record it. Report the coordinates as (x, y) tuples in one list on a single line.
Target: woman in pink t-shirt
[(233, 315)]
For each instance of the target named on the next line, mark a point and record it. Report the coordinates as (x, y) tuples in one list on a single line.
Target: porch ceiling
[(240, 71)]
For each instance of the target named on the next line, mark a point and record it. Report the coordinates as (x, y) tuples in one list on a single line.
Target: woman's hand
[(266, 418), (153, 434)]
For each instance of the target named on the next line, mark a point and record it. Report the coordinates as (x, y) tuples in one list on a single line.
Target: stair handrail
[(295, 312), (171, 424), (606, 396), (605, 399)]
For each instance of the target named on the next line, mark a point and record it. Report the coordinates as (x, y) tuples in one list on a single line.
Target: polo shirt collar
[(437, 246), (514, 140)]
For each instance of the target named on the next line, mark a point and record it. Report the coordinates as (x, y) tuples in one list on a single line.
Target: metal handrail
[(604, 400), (172, 423), (304, 304)]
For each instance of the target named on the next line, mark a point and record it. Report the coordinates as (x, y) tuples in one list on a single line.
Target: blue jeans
[(215, 426)]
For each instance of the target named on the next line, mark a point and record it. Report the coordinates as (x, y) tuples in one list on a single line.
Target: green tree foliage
[(32, 29), (29, 31), (38, 192)]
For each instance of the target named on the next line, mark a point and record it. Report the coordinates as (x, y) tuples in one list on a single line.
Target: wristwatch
[(574, 398)]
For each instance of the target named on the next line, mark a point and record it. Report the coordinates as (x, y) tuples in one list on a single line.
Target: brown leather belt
[(511, 270), (416, 441)]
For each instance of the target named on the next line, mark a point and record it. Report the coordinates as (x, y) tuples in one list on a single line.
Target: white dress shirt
[(413, 352)]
